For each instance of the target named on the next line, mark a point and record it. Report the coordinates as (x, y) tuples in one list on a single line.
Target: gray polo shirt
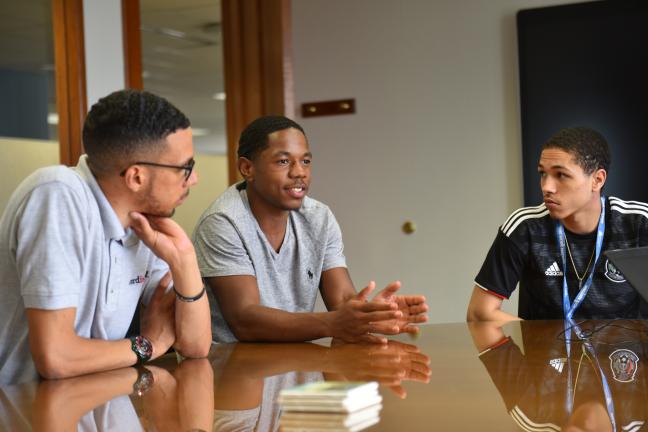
[(62, 246), (229, 242)]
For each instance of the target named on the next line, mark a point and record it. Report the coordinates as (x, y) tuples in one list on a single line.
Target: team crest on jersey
[(624, 364), (613, 273)]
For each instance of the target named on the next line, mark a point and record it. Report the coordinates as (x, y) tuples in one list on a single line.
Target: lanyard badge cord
[(570, 308)]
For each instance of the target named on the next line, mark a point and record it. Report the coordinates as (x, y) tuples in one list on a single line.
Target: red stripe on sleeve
[(495, 294)]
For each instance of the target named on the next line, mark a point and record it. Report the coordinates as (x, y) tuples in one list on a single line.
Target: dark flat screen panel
[(586, 64)]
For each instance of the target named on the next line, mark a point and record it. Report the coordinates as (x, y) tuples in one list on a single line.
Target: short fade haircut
[(254, 137), (589, 148), (127, 125)]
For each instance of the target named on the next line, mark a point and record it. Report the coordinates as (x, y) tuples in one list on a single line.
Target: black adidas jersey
[(534, 383), (526, 251)]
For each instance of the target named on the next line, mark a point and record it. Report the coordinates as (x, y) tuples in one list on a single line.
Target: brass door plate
[(325, 108)]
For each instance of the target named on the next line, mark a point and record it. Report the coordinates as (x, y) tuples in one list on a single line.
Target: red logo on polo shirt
[(139, 279)]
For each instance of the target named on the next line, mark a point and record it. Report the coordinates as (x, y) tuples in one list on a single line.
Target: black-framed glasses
[(188, 168)]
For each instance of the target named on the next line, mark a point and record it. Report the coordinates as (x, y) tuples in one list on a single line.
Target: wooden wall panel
[(69, 58), (258, 65), (132, 36)]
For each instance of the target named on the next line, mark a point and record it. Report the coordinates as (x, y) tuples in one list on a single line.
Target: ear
[(135, 178), (246, 168), (598, 179)]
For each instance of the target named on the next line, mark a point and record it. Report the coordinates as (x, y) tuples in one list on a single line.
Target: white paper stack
[(330, 406)]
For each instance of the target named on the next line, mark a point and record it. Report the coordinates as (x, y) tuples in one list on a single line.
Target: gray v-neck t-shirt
[(229, 242)]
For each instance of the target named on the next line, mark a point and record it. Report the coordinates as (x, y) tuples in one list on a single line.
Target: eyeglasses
[(188, 168)]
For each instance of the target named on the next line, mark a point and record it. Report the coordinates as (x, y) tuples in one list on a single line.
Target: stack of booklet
[(330, 406)]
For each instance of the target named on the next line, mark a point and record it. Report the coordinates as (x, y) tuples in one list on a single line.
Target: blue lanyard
[(569, 308)]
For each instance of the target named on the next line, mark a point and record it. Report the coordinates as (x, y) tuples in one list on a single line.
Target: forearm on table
[(256, 323), (76, 356), (476, 314), (484, 305)]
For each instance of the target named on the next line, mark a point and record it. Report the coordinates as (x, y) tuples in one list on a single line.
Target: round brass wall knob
[(409, 227)]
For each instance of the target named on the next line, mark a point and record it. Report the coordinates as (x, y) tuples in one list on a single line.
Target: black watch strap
[(142, 347)]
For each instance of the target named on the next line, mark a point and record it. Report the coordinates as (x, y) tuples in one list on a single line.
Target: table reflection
[(569, 376), (249, 377), (234, 389), (167, 397)]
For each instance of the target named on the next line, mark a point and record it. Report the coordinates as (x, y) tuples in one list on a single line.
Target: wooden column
[(69, 59), (132, 36), (258, 65)]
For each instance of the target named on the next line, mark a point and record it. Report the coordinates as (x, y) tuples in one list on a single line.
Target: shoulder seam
[(628, 204), (624, 210), (519, 212), (522, 215)]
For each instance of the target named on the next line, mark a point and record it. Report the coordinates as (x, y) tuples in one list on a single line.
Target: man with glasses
[(81, 247)]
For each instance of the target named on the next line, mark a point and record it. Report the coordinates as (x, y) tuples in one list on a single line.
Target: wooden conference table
[(437, 381)]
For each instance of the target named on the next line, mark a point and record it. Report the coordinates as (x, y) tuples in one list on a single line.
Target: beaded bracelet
[(189, 299)]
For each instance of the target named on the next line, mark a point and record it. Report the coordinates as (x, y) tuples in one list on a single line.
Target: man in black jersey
[(555, 250)]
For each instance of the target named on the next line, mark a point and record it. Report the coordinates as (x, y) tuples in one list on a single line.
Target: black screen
[(586, 64)]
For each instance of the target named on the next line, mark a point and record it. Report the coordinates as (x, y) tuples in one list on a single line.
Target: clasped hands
[(360, 319)]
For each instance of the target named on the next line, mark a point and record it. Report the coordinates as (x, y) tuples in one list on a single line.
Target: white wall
[(104, 47), (436, 137)]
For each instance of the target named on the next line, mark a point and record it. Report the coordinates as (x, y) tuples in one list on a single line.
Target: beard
[(156, 212), (154, 207), (168, 214)]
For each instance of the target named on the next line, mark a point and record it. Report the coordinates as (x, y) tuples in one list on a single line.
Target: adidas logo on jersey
[(553, 270), (558, 364)]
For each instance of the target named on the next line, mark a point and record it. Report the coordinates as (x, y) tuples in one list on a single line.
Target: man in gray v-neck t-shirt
[(230, 242), (265, 249)]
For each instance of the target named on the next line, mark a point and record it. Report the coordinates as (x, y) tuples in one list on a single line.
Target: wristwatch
[(142, 347)]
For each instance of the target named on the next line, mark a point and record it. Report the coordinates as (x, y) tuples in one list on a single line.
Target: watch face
[(143, 347)]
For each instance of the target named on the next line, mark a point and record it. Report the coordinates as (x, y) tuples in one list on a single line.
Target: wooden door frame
[(257, 59), (69, 61), (132, 37), (257, 51)]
